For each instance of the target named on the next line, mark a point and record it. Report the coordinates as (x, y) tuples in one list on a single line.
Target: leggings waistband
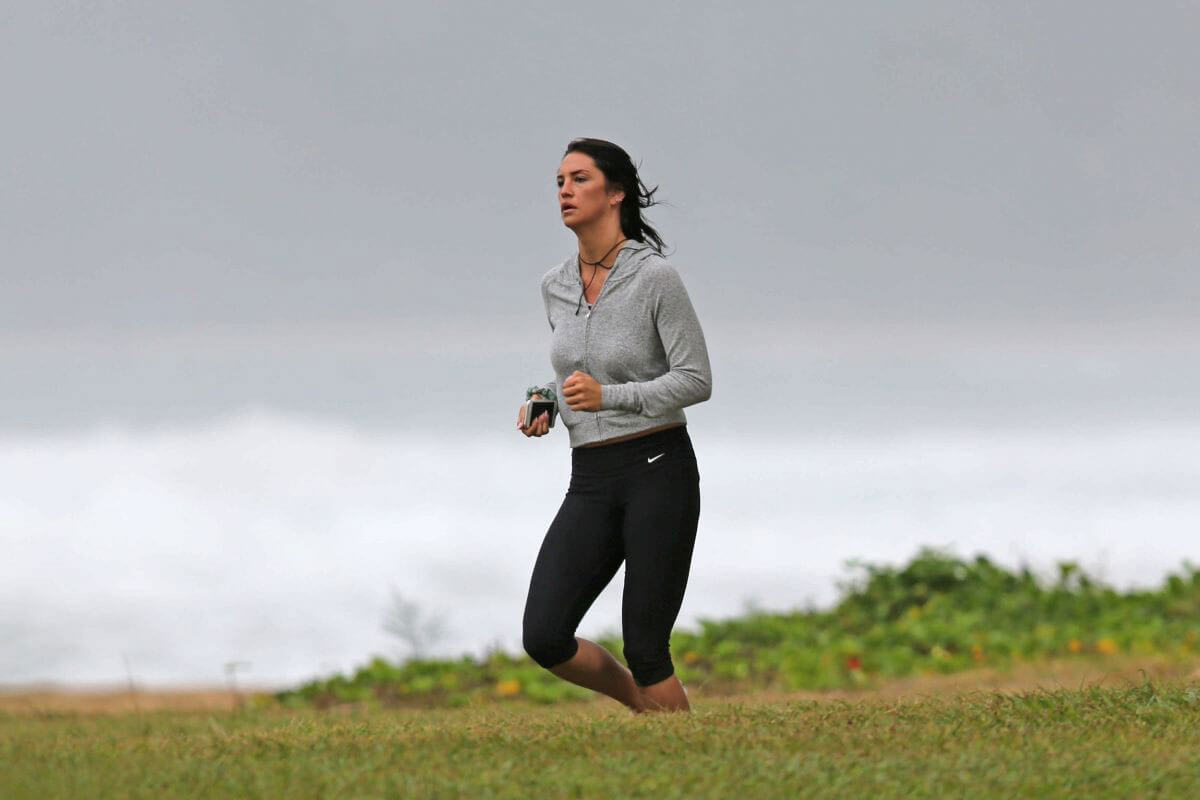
[(614, 456)]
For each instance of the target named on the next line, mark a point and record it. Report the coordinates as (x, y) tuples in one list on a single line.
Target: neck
[(598, 239)]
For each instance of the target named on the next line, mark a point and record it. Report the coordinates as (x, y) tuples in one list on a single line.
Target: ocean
[(279, 541)]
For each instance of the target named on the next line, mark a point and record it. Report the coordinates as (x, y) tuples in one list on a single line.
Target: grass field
[(1104, 729)]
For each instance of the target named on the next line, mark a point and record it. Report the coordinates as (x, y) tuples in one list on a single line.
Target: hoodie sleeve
[(688, 379)]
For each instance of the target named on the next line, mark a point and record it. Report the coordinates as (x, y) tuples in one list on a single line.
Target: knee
[(649, 664), (548, 648)]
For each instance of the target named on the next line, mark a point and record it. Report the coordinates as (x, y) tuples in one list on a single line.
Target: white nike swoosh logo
[(651, 460)]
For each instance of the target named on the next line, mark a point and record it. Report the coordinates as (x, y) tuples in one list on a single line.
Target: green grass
[(1135, 741)]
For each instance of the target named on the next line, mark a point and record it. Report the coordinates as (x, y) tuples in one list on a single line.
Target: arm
[(688, 379)]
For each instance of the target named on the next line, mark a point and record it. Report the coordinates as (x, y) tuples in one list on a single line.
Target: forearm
[(678, 388)]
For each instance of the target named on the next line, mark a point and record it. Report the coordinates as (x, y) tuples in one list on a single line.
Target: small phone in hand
[(534, 409)]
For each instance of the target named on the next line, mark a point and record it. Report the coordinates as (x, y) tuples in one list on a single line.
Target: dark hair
[(621, 174)]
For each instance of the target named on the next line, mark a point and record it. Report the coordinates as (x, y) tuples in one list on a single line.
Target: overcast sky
[(328, 208)]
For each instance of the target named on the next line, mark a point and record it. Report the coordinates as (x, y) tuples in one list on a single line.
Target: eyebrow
[(573, 172)]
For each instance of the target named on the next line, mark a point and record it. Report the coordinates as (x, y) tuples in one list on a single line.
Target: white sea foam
[(274, 540)]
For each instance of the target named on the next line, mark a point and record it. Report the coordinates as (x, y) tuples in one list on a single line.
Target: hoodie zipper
[(587, 322), (587, 327)]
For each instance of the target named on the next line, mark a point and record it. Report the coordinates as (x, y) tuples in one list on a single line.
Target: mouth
[(565, 209)]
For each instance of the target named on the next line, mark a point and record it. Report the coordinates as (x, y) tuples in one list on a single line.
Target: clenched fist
[(582, 392)]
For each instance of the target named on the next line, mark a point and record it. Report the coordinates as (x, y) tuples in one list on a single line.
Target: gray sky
[(329, 209)]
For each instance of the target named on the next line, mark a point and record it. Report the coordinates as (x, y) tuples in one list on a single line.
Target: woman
[(625, 367)]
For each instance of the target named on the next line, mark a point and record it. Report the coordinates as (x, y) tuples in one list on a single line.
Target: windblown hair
[(621, 174)]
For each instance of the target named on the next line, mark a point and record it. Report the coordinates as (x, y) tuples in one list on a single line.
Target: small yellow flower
[(977, 652), (1106, 646), (691, 657), (508, 688), (1075, 646)]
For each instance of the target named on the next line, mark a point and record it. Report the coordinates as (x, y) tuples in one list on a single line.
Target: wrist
[(547, 392), (613, 397)]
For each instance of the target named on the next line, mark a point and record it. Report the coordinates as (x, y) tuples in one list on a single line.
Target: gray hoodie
[(641, 341)]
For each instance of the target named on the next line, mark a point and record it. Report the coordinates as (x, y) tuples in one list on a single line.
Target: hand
[(582, 392), (540, 425)]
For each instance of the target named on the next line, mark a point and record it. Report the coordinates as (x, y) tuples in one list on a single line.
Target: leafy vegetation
[(936, 614)]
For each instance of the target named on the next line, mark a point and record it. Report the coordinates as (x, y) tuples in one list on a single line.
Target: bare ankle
[(666, 695)]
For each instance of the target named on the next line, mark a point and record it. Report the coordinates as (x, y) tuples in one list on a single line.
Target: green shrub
[(936, 614)]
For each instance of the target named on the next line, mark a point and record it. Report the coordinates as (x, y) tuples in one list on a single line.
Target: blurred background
[(269, 303)]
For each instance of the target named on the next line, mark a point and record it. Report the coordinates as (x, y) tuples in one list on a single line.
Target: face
[(582, 194)]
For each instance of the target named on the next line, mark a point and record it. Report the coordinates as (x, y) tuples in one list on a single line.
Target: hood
[(629, 259)]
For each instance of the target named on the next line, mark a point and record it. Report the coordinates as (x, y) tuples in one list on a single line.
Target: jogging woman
[(628, 355)]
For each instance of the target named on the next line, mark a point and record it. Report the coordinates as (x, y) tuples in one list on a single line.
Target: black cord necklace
[(594, 264)]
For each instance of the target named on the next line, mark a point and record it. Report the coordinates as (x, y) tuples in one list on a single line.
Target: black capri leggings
[(636, 501)]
